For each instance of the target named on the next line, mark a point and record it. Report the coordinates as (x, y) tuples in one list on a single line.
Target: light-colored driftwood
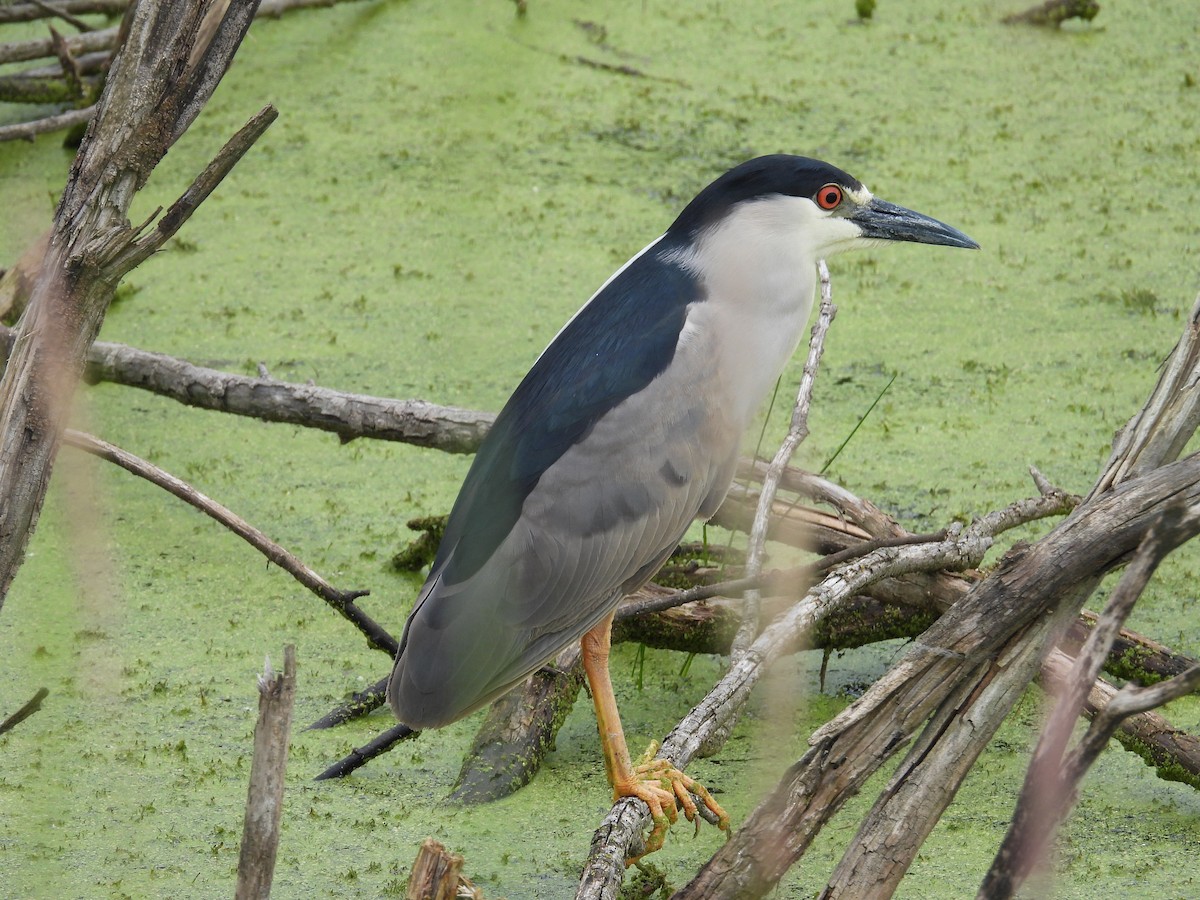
[(264, 800), (437, 875)]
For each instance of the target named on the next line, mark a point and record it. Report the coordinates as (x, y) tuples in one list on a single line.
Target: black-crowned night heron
[(625, 430)]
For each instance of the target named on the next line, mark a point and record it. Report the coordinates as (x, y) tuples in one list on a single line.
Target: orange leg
[(655, 782)]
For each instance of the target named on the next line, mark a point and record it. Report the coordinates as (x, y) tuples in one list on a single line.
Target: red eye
[(829, 196)]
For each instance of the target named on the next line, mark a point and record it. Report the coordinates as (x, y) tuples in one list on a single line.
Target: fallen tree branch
[(24, 51), (30, 12), (27, 131), (940, 671), (1171, 751), (342, 601), (1133, 656), (360, 756), (100, 43), (1052, 779), (361, 703), (1053, 580)]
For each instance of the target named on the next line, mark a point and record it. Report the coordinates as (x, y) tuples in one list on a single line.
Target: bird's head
[(817, 208)]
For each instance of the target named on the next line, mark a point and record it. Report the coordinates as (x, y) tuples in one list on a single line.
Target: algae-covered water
[(446, 184)]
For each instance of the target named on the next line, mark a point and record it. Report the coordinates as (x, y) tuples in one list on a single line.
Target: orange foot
[(664, 788)]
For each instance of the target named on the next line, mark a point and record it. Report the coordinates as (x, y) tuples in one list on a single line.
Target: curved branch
[(342, 601)]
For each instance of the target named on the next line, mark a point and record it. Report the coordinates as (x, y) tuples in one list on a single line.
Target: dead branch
[(342, 601), (361, 703), (61, 85), (347, 415), (1172, 752), (1163, 426), (27, 131), (1134, 656), (1052, 779), (30, 707), (437, 875), (264, 801), (156, 88), (519, 731), (60, 13), (963, 655), (962, 549), (29, 12), (797, 432), (913, 802), (360, 756), (24, 51)]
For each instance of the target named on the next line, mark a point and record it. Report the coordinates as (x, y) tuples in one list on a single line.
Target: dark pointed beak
[(885, 221)]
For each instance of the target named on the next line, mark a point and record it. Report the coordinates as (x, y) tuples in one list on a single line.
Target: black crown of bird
[(625, 431)]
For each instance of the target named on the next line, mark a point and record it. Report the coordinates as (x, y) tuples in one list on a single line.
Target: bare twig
[(360, 704), (23, 51), (59, 12), (27, 131), (30, 11), (342, 601), (360, 756), (1159, 431), (797, 432), (264, 801), (1171, 751), (347, 415)]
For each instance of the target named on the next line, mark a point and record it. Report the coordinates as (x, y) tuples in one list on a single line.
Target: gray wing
[(597, 525)]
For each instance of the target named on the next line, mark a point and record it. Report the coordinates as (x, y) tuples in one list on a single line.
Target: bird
[(626, 430)]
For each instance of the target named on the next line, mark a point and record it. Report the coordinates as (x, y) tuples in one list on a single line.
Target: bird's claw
[(664, 789)]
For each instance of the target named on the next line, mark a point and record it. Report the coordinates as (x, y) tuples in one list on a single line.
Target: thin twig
[(32, 11), (59, 12), (27, 131), (360, 756), (360, 704), (70, 67), (24, 51), (342, 601), (140, 249), (797, 432)]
